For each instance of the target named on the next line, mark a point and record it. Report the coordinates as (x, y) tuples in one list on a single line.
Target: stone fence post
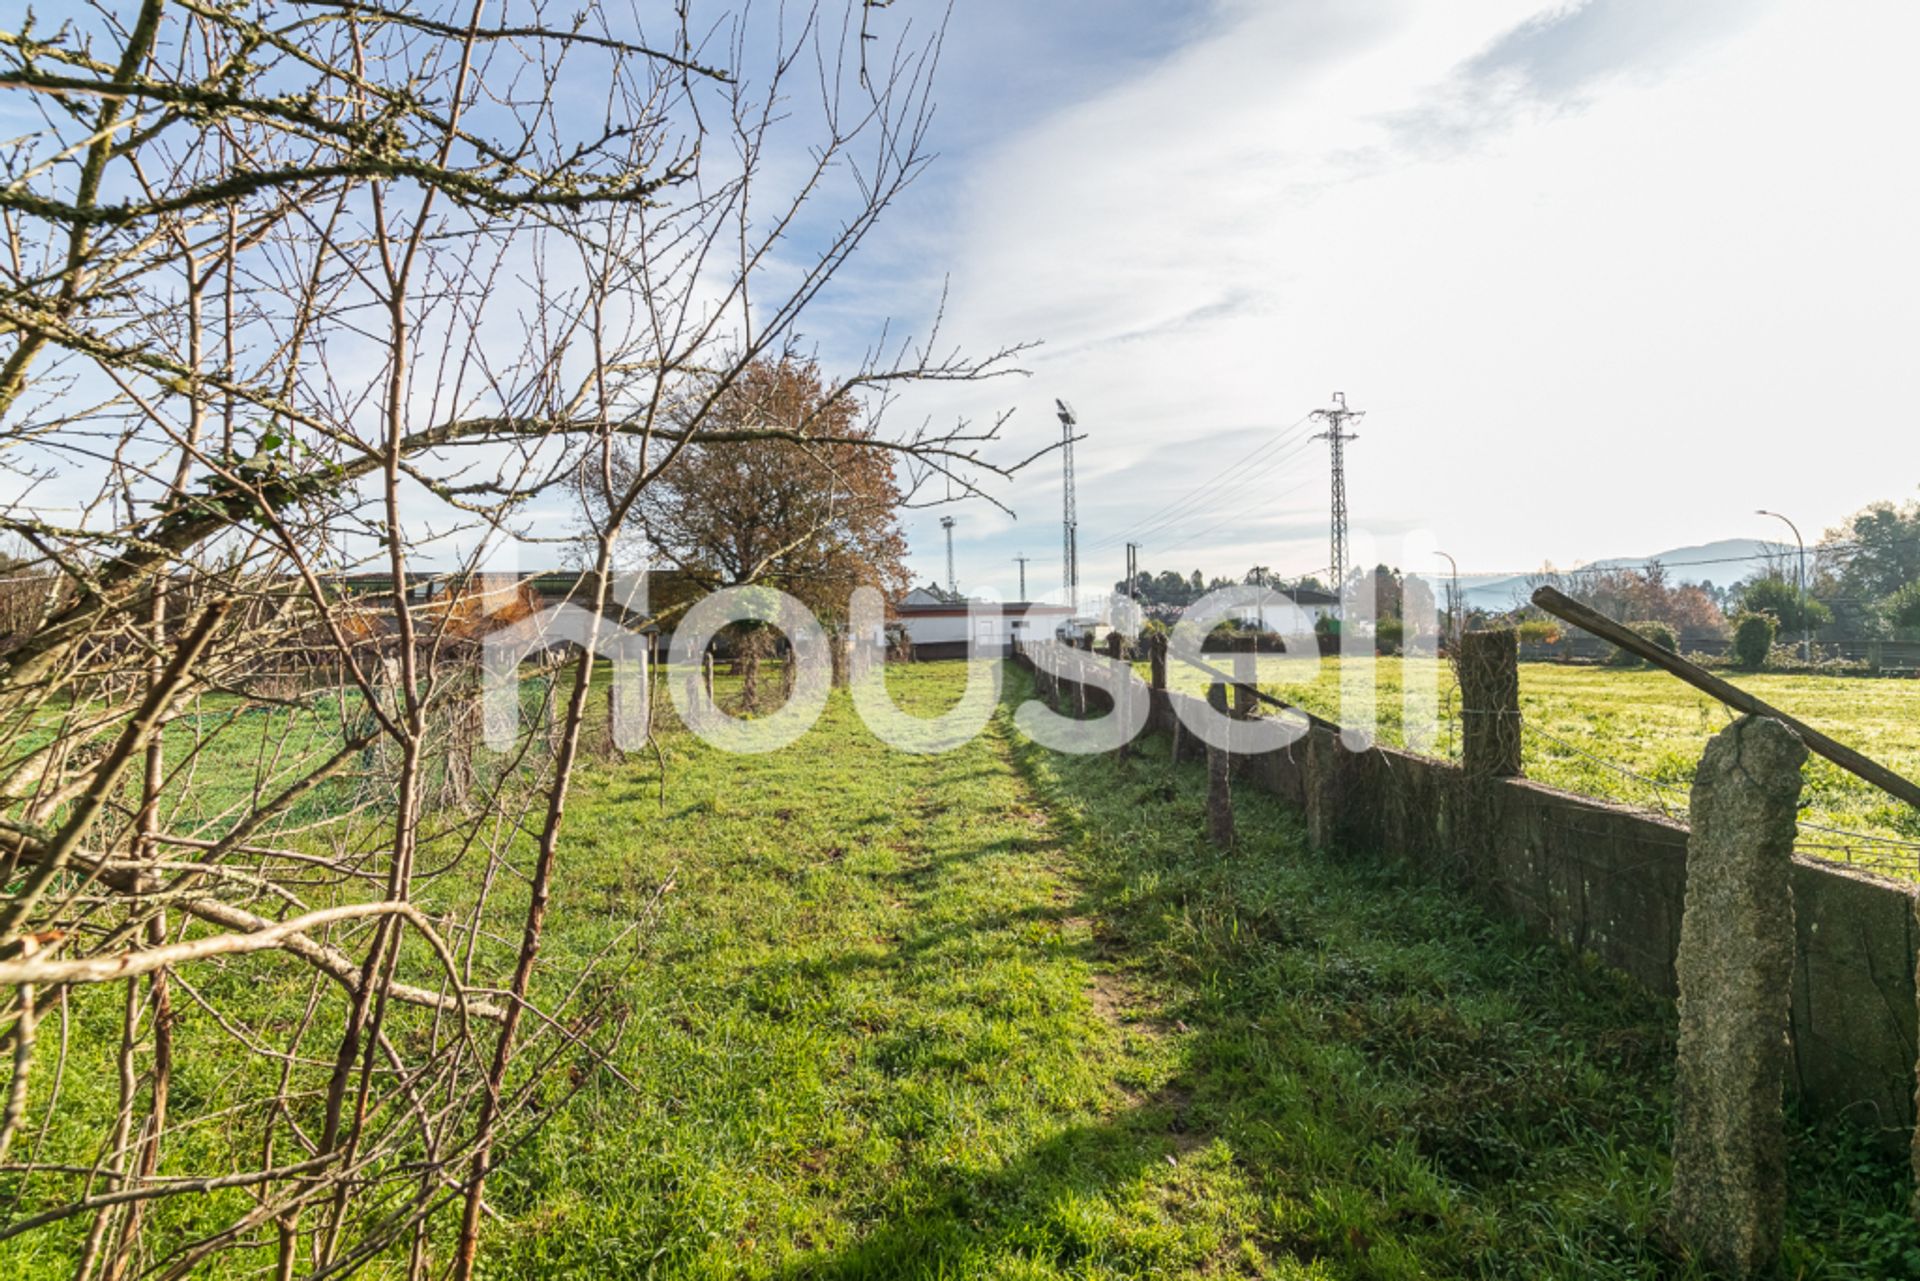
[(1219, 778), (1490, 704), (1735, 971), (1245, 676)]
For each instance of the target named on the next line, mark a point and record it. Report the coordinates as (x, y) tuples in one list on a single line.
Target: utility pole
[(953, 584), (1069, 517), (1133, 572), (1806, 624), (1023, 574), (1337, 435)]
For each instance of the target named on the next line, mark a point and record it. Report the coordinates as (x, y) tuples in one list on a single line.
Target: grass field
[(1004, 1014), (1636, 735)]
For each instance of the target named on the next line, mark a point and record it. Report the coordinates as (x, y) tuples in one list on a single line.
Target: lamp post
[(1453, 601), (1806, 624)]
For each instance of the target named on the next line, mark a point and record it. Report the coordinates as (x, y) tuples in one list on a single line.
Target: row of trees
[(1170, 591)]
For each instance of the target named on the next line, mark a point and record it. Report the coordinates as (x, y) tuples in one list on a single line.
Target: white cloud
[(1605, 286)]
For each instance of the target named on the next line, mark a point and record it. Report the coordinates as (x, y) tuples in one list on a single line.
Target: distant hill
[(1723, 562)]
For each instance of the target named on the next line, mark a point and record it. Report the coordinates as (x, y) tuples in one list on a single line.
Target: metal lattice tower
[(1022, 560), (1069, 517), (1337, 435), (953, 581)]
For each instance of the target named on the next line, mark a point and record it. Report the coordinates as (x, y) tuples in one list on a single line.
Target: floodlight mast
[(1069, 517), (953, 582)]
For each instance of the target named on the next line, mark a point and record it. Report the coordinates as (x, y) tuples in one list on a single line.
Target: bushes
[(1902, 609), (1388, 636), (1659, 633), (1539, 631), (1753, 639), (1778, 597)]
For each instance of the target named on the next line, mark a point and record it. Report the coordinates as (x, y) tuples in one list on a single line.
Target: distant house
[(1310, 605), (936, 624)]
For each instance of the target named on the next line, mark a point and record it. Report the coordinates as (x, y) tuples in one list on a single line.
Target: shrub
[(1387, 637), (1780, 598), (1753, 639), (1902, 608), (1539, 631), (1659, 633)]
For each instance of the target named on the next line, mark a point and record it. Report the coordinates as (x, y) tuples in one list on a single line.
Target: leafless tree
[(308, 304)]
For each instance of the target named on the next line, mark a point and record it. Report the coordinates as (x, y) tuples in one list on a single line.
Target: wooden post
[(706, 675), (1218, 698), (1157, 657), (1320, 779), (1735, 971), (1490, 703), (1219, 797), (1245, 674)]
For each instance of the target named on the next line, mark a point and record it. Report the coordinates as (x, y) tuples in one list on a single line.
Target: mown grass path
[(1003, 1014)]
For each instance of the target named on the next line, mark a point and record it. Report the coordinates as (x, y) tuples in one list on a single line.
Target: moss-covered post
[(1219, 778), (1245, 675), (1320, 778), (1490, 703), (1219, 797), (706, 675), (1735, 971)]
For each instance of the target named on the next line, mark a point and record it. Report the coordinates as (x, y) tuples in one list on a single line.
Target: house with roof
[(938, 624)]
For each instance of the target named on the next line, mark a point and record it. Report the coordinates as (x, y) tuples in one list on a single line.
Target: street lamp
[(1453, 602), (1806, 623)]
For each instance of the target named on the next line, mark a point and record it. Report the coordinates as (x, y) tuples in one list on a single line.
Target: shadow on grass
[(1401, 1084), (1032, 1210)]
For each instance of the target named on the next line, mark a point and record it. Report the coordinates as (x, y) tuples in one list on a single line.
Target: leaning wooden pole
[(1840, 754)]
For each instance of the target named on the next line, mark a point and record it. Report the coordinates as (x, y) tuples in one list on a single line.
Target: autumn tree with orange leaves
[(809, 510)]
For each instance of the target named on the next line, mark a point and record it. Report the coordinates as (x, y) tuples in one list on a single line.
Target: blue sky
[(1606, 276)]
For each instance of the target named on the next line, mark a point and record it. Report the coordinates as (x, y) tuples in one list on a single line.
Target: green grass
[(1652, 726), (1003, 1014)]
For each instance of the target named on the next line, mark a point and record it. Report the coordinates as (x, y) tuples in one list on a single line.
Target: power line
[(1228, 520), (1234, 492), (1167, 512)]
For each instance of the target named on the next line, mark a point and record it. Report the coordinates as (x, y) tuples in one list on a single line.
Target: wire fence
[(1870, 851)]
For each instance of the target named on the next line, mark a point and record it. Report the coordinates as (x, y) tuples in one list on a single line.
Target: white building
[(938, 625)]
